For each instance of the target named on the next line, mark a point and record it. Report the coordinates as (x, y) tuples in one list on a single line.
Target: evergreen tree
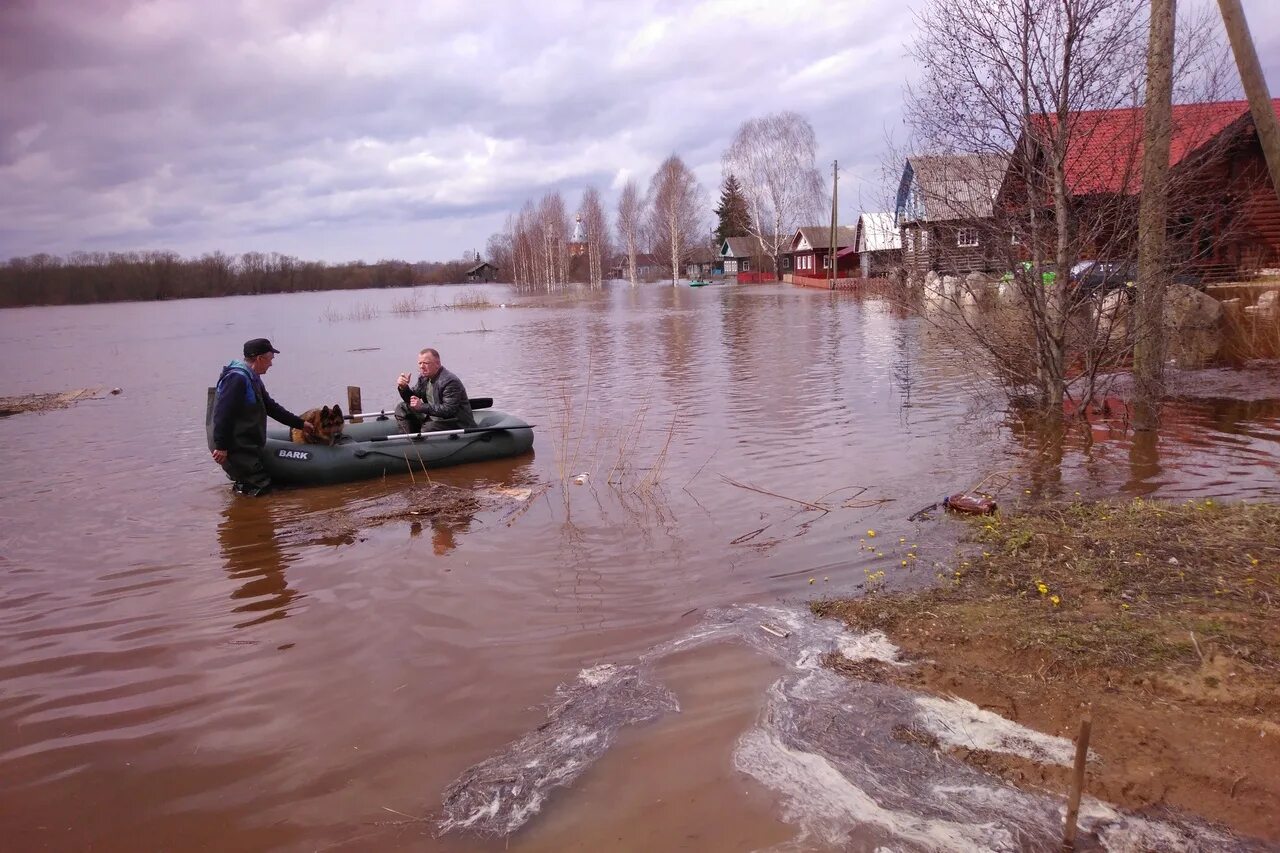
[(732, 212)]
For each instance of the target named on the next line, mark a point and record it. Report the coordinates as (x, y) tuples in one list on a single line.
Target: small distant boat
[(698, 282)]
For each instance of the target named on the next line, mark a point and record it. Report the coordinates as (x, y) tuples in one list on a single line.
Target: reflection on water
[(255, 562), (152, 690)]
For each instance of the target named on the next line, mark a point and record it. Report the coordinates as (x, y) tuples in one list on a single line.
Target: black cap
[(257, 347)]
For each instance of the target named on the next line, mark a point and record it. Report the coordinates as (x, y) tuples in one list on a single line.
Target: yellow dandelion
[(1124, 607), (1056, 601)]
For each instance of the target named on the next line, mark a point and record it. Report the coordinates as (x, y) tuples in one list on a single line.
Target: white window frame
[(971, 233), (826, 262)]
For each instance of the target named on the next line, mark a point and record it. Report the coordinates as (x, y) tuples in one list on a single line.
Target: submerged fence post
[(1077, 786), (353, 403)]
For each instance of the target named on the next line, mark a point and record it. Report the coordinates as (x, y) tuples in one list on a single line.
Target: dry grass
[(359, 311), (411, 303), (1136, 585), (471, 299)]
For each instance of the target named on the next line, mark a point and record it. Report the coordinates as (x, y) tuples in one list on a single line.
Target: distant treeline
[(130, 276)]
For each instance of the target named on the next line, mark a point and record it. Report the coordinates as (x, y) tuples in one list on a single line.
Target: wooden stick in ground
[(1077, 786)]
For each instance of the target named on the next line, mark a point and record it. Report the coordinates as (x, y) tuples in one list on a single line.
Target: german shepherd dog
[(328, 425)]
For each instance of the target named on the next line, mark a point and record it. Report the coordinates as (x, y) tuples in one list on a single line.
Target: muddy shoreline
[(1158, 619)]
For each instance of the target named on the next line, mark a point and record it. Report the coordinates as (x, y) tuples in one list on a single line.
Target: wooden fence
[(858, 284)]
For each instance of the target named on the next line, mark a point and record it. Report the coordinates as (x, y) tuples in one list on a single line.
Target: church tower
[(578, 244)]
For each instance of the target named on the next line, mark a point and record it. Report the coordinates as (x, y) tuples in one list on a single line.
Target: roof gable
[(941, 187), (876, 232), (739, 247), (818, 237)]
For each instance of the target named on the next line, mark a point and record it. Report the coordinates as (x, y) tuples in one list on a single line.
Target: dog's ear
[(337, 411), (324, 413)]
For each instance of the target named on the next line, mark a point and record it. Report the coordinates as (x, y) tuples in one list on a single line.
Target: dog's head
[(327, 422)]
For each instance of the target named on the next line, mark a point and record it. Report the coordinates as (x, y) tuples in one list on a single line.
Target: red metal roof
[(1105, 151)]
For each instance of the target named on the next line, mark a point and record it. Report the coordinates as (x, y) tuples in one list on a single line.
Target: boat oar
[(476, 403), (445, 433)]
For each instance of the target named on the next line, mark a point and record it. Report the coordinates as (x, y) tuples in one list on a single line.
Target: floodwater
[(181, 668)]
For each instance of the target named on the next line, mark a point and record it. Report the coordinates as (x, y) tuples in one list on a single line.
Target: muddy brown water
[(181, 668)]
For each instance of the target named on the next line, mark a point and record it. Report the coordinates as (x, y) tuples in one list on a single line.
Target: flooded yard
[(352, 667)]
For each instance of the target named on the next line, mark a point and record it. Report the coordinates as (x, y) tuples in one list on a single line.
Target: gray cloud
[(340, 130)]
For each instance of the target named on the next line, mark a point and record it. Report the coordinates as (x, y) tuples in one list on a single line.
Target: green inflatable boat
[(376, 447)]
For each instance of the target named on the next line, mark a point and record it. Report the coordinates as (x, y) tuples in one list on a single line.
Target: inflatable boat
[(376, 447)]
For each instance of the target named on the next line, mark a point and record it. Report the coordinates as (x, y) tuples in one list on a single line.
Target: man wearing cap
[(240, 410)]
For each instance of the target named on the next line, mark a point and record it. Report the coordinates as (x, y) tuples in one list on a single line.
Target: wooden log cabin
[(1224, 216), (945, 213)]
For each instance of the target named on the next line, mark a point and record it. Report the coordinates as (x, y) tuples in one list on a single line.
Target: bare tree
[(596, 224), (674, 212), (1044, 82), (775, 160), (630, 221), (553, 224)]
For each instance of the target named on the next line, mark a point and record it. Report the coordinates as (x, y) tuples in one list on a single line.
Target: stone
[(1186, 308)]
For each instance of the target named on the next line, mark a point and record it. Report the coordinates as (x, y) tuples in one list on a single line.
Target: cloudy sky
[(393, 128)]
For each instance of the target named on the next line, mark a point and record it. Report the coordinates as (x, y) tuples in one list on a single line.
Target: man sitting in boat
[(240, 411), (438, 400)]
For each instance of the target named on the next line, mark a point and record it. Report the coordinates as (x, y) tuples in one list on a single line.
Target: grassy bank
[(1159, 617)]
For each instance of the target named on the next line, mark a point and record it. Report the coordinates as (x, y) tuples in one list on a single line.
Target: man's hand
[(219, 456), (308, 427), (403, 381), (415, 402)]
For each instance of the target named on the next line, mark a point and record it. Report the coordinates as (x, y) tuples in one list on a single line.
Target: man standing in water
[(240, 411), (437, 401)]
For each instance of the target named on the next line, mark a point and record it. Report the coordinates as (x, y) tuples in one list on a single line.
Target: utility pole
[(1255, 86), (835, 217), (1153, 217)]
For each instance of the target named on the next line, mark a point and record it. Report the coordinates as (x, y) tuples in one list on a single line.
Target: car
[(1105, 276)]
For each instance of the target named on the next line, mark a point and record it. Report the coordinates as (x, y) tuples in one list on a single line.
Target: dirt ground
[(1157, 619)]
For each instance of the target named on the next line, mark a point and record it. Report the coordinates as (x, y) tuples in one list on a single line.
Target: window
[(826, 262), (746, 265), (911, 240), (966, 236)]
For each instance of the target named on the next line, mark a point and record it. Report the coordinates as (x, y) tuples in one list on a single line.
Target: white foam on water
[(873, 646), (598, 674), (957, 722), (1123, 833), (827, 806)]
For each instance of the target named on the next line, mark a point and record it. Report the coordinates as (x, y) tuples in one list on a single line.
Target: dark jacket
[(240, 410), (447, 400)]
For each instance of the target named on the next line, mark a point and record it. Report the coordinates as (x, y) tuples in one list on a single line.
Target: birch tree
[(630, 221), (596, 224), (774, 158), (674, 216)]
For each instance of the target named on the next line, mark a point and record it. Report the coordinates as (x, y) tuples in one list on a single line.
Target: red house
[(1224, 217), (811, 246)]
